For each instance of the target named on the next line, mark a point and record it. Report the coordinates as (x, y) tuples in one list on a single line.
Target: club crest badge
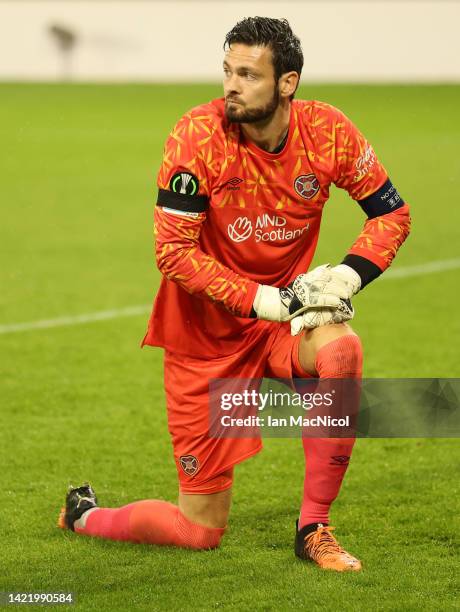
[(307, 186), (189, 464)]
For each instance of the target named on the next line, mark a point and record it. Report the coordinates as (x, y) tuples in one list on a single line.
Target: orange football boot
[(321, 547)]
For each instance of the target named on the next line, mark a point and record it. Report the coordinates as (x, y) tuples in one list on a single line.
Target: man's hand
[(341, 281), (323, 316), (319, 297), (307, 291)]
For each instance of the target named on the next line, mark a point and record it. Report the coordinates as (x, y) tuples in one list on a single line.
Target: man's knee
[(341, 357), (196, 535), (209, 509), (154, 521), (314, 340), (328, 333)]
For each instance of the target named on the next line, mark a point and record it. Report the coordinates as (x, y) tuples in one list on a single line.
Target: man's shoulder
[(317, 112), (209, 117)]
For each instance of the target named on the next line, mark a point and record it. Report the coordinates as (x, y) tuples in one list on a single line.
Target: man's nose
[(233, 84)]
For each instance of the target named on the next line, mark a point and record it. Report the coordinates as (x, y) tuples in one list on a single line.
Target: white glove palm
[(340, 281)]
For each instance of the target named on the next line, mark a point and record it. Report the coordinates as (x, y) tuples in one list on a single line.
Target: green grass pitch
[(83, 402)]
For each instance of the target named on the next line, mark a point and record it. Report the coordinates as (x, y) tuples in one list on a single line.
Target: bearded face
[(238, 111), (251, 90)]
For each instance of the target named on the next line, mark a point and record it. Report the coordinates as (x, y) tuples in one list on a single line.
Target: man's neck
[(268, 134)]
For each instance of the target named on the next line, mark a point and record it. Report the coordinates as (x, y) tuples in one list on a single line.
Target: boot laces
[(321, 543), (84, 499)]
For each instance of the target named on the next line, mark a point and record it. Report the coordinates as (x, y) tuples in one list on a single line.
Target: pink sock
[(326, 459), (150, 521)]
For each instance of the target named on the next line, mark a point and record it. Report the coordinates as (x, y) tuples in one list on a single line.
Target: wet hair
[(276, 34)]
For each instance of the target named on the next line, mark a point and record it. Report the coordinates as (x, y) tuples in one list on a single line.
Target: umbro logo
[(233, 184), (340, 460)]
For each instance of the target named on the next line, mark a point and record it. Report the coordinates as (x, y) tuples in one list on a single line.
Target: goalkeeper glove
[(323, 316), (341, 281), (273, 304)]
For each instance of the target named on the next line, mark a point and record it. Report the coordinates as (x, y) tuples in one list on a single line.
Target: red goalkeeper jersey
[(231, 215)]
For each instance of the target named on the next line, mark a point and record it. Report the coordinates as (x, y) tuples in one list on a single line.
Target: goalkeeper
[(242, 188)]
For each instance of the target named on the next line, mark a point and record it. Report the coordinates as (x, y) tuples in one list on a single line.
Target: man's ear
[(288, 84)]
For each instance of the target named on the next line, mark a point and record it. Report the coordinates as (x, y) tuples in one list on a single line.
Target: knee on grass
[(161, 523)]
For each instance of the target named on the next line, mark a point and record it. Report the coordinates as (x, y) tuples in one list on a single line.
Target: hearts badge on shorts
[(189, 464)]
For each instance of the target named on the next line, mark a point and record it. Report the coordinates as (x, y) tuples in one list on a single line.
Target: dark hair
[(273, 33)]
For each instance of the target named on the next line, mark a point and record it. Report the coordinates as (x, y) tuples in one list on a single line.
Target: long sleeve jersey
[(231, 215)]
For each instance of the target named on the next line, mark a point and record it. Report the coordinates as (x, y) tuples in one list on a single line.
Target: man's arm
[(359, 172), (184, 186), (362, 175), (377, 244), (181, 260)]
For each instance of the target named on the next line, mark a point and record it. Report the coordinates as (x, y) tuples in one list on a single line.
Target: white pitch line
[(427, 268), (131, 311), (102, 315)]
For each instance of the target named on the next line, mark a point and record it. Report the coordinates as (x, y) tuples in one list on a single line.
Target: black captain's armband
[(382, 202), (183, 194)]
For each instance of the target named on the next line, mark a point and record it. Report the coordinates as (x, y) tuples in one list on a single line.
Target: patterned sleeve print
[(382, 236), (178, 253), (189, 147), (356, 166), (181, 260), (358, 171)]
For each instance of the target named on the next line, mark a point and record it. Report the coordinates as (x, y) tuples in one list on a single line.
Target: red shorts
[(201, 460)]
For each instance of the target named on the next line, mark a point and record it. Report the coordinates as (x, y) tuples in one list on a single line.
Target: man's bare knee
[(328, 333), (314, 339)]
